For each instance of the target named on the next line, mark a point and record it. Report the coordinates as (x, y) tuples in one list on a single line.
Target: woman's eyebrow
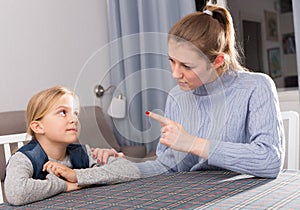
[(186, 63)]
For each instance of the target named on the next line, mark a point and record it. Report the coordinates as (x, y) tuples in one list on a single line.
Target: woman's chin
[(185, 88)]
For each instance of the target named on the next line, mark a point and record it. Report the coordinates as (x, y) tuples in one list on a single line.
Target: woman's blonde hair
[(212, 33), (41, 103)]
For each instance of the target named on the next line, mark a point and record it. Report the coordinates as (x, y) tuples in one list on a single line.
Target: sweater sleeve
[(19, 186), (115, 171), (263, 153)]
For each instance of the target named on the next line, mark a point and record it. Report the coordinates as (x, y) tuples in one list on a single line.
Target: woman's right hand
[(102, 155)]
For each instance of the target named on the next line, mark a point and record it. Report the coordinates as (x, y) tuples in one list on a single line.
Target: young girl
[(52, 162)]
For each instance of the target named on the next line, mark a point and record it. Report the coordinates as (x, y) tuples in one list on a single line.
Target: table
[(184, 190)]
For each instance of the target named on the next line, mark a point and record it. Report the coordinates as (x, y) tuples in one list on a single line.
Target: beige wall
[(45, 43)]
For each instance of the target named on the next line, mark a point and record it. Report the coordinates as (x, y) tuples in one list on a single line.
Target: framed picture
[(274, 61), (271, 24), (286, 6), (288, 43)]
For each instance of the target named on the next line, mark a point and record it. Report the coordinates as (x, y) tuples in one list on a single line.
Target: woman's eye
[(187, 67)]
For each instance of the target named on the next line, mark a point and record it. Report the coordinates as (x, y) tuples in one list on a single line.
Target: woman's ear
[(219, 61), (37, 127)]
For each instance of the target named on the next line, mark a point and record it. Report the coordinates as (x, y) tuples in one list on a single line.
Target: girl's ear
[(218, 61), (37, 127)]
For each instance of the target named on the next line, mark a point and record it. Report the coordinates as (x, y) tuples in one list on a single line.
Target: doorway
[(252, 45)]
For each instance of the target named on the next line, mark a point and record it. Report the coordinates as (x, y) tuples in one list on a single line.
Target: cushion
[(135, 151), (10, 123)]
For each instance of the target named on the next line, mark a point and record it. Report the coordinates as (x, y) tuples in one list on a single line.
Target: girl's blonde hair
[(41, 103), (211, 34)]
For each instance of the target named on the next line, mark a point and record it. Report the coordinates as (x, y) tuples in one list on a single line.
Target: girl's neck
[(54, 150), (56, 155)]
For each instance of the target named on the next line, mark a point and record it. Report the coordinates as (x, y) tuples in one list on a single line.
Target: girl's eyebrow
[(62, 107), (67, 107)]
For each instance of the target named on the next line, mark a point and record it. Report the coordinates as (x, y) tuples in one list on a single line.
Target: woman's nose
[(176, 72)]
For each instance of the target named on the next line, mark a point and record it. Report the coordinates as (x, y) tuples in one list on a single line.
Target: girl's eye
[(76, 114), (171, 60), (63, 113)]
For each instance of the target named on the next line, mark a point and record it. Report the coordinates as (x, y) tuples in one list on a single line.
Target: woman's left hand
[(102, 155), (176, 137)]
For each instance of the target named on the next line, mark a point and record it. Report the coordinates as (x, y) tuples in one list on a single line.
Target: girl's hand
[(72, 186), (102, 155), (60, 170), (174, 135)]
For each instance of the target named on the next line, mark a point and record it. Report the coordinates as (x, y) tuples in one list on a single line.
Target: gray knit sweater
[(239, 114)]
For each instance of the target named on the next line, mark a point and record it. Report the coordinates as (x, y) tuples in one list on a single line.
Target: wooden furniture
[(8, 141), (292, 138)]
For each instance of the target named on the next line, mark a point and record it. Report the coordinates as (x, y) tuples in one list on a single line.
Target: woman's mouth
[(180, 83)]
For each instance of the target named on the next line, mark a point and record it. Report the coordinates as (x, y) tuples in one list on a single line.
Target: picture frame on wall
[(274, 62), (286, 6), (271, 24), (288, 43)]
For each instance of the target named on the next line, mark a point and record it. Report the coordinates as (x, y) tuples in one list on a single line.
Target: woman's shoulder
[(253, 79), (252, 74)]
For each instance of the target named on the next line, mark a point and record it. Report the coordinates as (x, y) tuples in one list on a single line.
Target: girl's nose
[(74, 119)]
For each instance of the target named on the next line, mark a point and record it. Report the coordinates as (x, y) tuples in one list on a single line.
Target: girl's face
[(61, 124), (188, 68)]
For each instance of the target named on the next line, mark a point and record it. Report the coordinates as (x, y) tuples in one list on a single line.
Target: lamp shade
[(117, 107)]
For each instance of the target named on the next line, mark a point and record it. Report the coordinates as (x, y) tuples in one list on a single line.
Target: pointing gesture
[(162, 120), (176, 137)]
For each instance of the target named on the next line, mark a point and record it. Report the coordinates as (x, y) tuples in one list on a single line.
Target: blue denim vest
[(33, 150)]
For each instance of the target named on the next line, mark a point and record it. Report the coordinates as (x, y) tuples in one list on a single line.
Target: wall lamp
[(117, 107), (99, 90)]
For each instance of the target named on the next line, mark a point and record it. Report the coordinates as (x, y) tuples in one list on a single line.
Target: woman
[(220, 116)]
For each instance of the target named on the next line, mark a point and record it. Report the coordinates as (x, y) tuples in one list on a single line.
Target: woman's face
[(189, 69)]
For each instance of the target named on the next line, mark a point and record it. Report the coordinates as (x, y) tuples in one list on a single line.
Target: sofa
[(95, 131)]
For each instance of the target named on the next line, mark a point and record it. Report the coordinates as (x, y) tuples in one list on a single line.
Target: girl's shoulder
[(19, 158)]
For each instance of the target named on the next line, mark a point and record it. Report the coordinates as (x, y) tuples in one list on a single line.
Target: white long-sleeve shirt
[(239, 114)]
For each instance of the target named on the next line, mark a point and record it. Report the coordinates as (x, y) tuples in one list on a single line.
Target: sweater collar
[(217, 86)]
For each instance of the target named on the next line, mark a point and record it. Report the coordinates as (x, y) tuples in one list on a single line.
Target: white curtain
[(139, 62)]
